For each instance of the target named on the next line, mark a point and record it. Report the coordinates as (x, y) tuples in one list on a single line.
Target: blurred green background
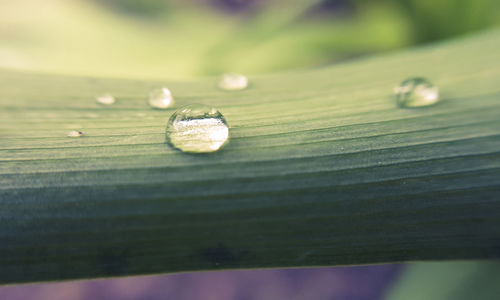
[(176, 39)]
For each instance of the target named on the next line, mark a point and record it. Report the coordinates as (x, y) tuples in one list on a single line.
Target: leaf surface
[(322, 169)]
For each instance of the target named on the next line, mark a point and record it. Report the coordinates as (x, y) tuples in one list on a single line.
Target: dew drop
[(233, 82), (75, 133), (106, 99), (416, 92), (160, 98), (197, 128)]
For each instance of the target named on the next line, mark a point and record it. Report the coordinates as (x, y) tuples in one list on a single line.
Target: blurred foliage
[(438, 19), (142, 7), (463, 280), (182, 39)]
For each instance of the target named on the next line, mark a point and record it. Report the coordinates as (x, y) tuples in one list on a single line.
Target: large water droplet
[(106, 99), (416, 92), (75, 133), (160, 98), (233, 82), (197, 128)]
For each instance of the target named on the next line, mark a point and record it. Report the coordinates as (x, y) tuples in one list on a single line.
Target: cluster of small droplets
[(199, 128)]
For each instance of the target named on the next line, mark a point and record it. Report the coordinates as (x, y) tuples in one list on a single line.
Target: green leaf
[(322, 169)]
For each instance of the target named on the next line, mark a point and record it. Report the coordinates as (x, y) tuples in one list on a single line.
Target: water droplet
[(106, 99), (160, 98), (197, 128), (416, 92), (233, 82), (75, 133)]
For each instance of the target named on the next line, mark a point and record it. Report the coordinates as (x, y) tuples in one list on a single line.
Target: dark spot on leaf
[(113, 261)]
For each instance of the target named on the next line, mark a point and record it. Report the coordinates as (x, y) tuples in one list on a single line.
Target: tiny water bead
[(160, 98), (233, 82), (75, 133), (106, 99), (197, 128), (416, 92)]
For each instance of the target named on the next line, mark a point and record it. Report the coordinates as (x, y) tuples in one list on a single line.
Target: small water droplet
[(75, 133), (106, 99), (160, 98), (197, 128), (416, 92), (233, 82)]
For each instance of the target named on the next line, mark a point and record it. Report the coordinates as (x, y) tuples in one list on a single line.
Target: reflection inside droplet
[(197, 129)]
